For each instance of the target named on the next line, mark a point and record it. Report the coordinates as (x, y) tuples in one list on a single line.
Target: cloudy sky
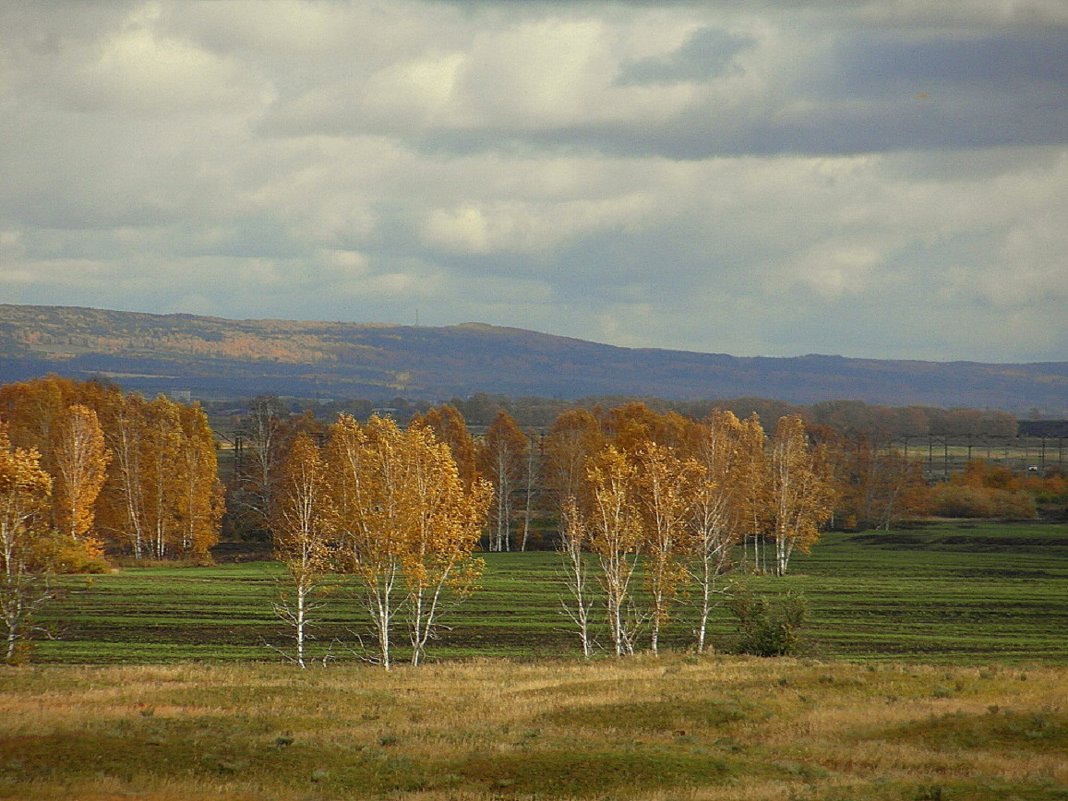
[(878, 178)]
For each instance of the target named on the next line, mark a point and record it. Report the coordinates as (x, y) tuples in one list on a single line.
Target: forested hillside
[(217, 358)]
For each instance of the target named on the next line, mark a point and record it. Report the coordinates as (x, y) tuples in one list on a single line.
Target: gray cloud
[(878, 179), (707, 54)]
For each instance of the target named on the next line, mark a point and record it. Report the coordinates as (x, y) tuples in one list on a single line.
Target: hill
[(217, 358)]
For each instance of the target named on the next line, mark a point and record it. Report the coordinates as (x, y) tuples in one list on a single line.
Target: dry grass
[(668, 728)]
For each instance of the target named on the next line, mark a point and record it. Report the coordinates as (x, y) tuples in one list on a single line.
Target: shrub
[(957, 501), (1017, 505), (768, 628), (953, 500)]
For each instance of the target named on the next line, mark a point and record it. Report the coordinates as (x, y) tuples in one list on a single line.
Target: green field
[(934, 670), (950, 593)]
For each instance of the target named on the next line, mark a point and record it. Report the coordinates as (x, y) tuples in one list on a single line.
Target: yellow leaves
[(25, 492), (27, 544), (450, 428), (399, 510), (21, 475), (503, 460), (573, 437), (143, 472), (162, 494), (301, 521), (81, 459), (614, 518), (632, 425), (679, 495), (201, 502), (400, 498), (801, 488)]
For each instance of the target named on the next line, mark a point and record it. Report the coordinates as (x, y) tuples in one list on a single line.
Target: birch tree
[(200, 495), (161, 475), (530, 484), (716, 511), (31, 410), (752, 480), (503, 458), (616, 540), (124, 510), (439, 566), (25, 492), (301, 526), (631, 425), (665, 486), (449, 426), (408, 524), (801, 490), (571, 439), (59, 419), (366, 485), (579, 605), (264, 438), (81, 459)]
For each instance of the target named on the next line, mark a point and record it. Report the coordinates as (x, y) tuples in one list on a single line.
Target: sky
[(880, 179)]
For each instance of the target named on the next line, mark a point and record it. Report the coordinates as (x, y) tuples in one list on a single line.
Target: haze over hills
[(218, 358)]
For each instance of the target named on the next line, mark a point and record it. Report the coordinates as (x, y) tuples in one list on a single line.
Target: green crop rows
[(948, 593)]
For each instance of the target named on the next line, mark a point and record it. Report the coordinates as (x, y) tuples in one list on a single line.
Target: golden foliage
[(666, 488), (616, 538), (81, 459), (502, 460), (142, 473), (801, 488), (572, 438), (25, 547), (450, 427), (406, 523)]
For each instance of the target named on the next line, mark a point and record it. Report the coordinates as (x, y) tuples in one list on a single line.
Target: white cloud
[(462, 230), (139, 71), (534, 228), (836, 269), (703, 176)]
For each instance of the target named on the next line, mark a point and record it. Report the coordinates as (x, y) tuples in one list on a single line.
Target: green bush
[(765, 627)]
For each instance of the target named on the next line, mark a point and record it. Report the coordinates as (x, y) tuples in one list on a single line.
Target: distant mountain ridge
[(212, 357)]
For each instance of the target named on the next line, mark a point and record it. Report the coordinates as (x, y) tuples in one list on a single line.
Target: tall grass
[(674, 727)]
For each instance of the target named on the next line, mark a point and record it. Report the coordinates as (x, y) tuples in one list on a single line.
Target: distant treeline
[(1043, 428), (846, 417)]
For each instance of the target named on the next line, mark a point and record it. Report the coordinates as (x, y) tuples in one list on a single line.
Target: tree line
[(628, 485), (129, 473), (848, 417), (84, 466), (875, 485), (643, 503)]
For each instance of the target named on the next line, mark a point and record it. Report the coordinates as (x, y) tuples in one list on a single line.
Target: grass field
[(952, 593), (935, 670), (674, 727)]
